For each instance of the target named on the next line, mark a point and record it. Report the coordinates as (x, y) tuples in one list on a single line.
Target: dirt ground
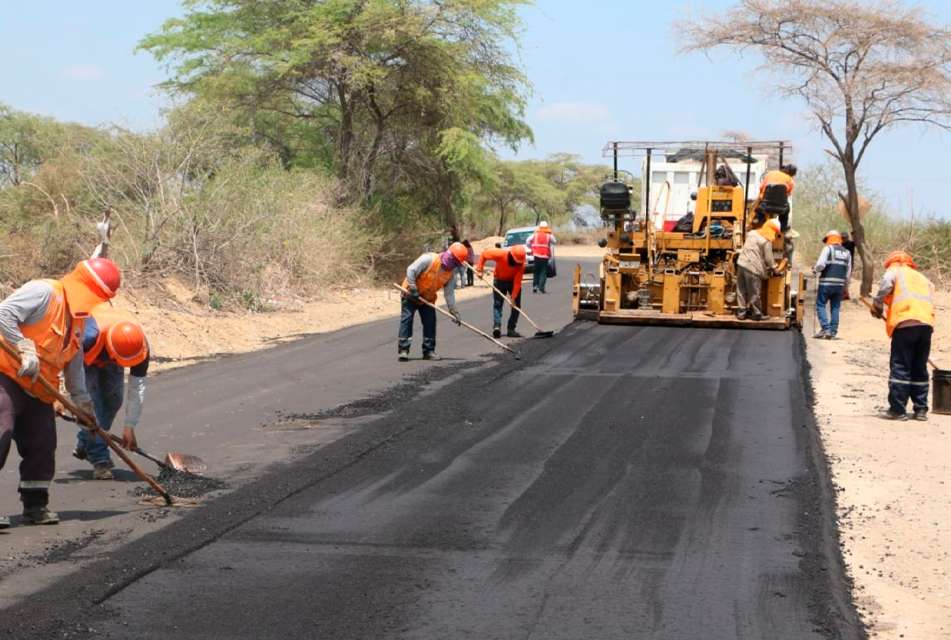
[(892, 478)]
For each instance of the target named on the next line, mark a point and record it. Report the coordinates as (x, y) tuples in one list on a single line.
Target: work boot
[(741, 314), (496, 332), (404, 355), (822, 334), (534, 290), (921, 414), (891, 415), (4, 522), (102, 471), (39, 515), (79, 453), (512, 333), (431, 356)]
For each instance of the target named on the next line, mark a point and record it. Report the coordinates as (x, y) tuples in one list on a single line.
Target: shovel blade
[(543, 334), (186, 463)]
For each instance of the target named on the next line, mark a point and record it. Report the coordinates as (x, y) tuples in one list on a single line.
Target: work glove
[(877, 313), (457, 317), (414, 293), (29, 360), (88, 410)]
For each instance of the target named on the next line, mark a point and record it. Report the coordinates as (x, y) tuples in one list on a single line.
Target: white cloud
[(573, 112), (84, 73)]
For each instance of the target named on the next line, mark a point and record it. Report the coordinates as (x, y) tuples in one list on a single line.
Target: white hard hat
[(543, 223), (833, 232)]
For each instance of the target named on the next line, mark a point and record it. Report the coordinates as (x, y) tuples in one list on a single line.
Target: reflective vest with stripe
[(429, 282), (105, 316), (837, 266), (541, 244), (53, 346), (911, 299)]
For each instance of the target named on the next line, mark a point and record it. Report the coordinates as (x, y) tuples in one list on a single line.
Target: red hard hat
[(518, 253), (125, 342), (459, 252), (105, 273)]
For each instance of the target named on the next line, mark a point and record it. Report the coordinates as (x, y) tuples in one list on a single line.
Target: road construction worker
[(754, 265), (44, 320), (910, 321), (112, 341), (784, 176), (509, 270), (541, 243), (834, 268), (424, 278)]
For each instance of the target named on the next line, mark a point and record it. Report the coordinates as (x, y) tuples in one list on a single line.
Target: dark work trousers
[(498, 302), (539, 274), (908, 375), (32, 426), (105, 385), (427, 315)]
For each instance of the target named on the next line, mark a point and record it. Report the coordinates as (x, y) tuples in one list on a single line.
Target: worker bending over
[(424, 278), (910, 321), (507, 278), (112, 341), (44, 320), (754, 265)]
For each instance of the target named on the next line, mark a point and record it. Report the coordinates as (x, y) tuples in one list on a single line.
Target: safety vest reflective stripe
[(910, 300), (541, 244), (34, 484), (911, 382), (432, 280), (837, 266)]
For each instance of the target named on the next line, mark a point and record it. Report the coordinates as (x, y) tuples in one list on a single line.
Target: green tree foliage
[(378, 89)]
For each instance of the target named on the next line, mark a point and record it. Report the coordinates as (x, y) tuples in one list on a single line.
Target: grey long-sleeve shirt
[(420, 266), (25, 307)]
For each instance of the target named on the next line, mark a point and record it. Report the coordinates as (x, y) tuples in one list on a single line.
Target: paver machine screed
[(682, 271)]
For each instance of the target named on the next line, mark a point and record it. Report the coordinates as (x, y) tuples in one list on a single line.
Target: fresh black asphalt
[(616, 482)]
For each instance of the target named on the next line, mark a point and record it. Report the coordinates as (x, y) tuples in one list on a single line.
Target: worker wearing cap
[(424, 278), (509, 270), (541, 243), (754, 265), (44, 320), (834, 269), (112, 341), (910, 321)]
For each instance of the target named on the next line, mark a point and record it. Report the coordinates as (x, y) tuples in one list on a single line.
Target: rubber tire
[(552, 269)]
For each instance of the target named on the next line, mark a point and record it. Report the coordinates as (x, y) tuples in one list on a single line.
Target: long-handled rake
[(89, 422), (538, 330), (460, 322)]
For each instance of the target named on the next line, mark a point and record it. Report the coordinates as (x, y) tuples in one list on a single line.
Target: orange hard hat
[(105, 273), (770, 229), (518, 253), (900, 258), (459, 252), (125, 343)]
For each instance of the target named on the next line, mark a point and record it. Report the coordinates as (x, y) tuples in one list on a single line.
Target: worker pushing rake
[(507, 284)]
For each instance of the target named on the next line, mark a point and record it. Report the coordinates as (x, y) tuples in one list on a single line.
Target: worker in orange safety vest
[(910, 322), (44, 320), (424, 278), (509, 271)]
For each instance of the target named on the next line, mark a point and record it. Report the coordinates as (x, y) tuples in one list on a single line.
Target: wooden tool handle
[(505, 297)]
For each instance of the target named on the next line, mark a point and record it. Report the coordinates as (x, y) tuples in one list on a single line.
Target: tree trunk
[(851, 199)]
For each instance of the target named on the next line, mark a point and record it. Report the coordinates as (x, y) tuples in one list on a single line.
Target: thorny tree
[(861, 67)]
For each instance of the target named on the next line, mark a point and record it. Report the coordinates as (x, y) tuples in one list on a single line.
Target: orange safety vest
[(105, 316), (541, 243), (53, 346), (429, 282), (777, 177), (911, 299)]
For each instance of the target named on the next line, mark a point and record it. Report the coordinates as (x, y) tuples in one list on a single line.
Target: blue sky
[(602, 70)]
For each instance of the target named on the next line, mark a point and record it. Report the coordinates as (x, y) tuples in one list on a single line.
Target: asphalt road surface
[(615, 482)]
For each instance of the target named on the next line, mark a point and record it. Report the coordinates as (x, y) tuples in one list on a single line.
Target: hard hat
[(771, 229), (833, 237), (459, 252), (104, 273), (518, 253), (900, 258), (543, 223), (125, 343)]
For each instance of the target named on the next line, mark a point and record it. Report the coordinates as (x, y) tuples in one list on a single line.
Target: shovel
[(90, 423), (538, 330), (872, 308), (453, 318), (178, 461)]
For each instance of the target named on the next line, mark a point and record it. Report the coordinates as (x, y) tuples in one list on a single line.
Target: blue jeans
[(461, 275), (831, 295), (427, 315), (498, 302), (540, 274), (908, 368), (105, 385)]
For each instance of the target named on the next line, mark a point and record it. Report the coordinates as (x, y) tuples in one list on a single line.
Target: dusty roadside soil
[(893, 479)]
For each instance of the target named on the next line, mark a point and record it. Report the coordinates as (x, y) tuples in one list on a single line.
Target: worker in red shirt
[(507, 278)]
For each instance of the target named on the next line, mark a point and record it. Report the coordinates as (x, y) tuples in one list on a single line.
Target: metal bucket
[(941, 391)]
